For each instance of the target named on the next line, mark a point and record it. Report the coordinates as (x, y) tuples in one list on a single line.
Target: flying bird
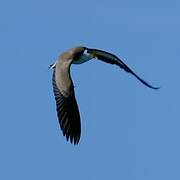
[(63, 88)]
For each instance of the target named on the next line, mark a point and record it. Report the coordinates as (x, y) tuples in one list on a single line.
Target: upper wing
[(68, 114), (112, 59)]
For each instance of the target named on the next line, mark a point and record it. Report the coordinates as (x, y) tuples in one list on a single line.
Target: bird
[(66, 105)]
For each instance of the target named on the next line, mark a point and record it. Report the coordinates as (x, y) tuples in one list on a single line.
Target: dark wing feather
[(68, 114), (112, 59)]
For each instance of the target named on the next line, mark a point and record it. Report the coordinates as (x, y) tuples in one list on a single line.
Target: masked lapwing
[(66, 105)]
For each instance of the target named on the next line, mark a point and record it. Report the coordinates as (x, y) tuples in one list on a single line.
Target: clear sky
[(129, 131)]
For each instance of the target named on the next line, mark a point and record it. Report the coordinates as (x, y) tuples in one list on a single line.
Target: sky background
[(128, 130)]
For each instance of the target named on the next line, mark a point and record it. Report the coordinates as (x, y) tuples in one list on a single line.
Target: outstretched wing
[(68, 114), (112, 59)]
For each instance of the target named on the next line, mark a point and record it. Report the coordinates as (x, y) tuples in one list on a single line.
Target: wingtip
[(156, 88), (72, 140)]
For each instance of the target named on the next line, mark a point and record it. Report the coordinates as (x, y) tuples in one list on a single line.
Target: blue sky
[(128, 131)]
